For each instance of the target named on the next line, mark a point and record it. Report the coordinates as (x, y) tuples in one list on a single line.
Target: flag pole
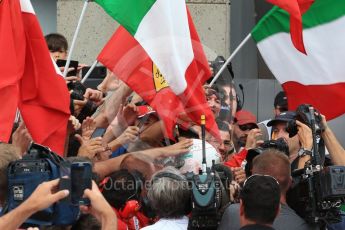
[(89, 72), (230, 58), (75, 38)]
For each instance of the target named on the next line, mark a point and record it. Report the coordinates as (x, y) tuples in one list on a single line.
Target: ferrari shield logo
[(158, 79)]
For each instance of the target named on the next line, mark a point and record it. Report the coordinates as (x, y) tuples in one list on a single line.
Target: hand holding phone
[(81, 179), (73, 64)]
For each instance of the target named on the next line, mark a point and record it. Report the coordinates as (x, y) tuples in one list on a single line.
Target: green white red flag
[(319, 78), (125, 56)]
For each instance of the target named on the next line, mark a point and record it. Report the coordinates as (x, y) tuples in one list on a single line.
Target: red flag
[(128, 60), (295, 8), (12, 61), (43, 97)]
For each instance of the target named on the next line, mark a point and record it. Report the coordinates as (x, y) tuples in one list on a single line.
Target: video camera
[(303, 114), (318, 191), (40, 164), (279, 144)]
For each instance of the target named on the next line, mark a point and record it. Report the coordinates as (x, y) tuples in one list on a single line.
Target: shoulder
[(288, 219), (231, 218)]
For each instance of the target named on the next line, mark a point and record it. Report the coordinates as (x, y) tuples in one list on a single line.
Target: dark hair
[(187, 133), (122, 186), (218, 91), (222, 125), (87, 222), (260, 198), (281, 101), (56, 42)]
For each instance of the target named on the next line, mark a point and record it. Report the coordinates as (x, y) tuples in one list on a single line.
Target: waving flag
[(161, 28), (128, 60), (295, 8), (319, 78), (12, 62), (41, 96)]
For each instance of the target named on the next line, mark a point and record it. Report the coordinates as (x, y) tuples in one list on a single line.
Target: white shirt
[(167, 224)]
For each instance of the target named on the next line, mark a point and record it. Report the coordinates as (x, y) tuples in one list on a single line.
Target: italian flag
[(318, 78), (125, 57), (161, 28)]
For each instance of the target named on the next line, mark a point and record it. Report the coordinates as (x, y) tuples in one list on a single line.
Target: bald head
[(274, 163)]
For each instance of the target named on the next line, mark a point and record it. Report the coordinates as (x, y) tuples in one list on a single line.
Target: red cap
[(144, 110), (245, 117)]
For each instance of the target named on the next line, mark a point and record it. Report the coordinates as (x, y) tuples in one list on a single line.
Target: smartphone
[(99, 72), (73, 64), (99, 132), (81, 179), (65, 180)]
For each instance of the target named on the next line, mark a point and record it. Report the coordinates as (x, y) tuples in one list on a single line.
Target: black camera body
[(39, 165), (304, 115), (279, 144), (318, 191), (317, 198)]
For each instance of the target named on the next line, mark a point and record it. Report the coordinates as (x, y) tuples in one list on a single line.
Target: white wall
[(47, 14), (211, 17)]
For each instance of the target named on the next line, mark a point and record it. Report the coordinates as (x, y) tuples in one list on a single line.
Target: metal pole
[(75, 38), (230, 58), (89, 72)]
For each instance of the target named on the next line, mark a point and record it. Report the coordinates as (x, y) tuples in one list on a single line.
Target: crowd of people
[(132, 150)]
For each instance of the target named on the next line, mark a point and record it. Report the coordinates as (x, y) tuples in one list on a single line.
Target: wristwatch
[(304, 152)]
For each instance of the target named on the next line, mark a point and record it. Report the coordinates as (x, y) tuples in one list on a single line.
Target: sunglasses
[(246, 127), (258, 175)]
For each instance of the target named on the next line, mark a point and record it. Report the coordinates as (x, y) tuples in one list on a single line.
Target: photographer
[(298, 144), (274, 163), (245, 130), (336, 151)]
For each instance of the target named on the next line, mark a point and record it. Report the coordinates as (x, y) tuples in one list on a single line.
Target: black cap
[(281, 100), (283, 117), (261, 192)]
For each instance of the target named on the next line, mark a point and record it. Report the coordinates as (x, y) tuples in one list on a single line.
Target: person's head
[(226, 146), (259, 200), (244, 122), (150, 127), (274, 163), (57, 45), (87, 222), (213, 97), (169, 195), (146, 117), (8, 154), (122, 186), (280, 103), (279, 124), (230, 98)]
